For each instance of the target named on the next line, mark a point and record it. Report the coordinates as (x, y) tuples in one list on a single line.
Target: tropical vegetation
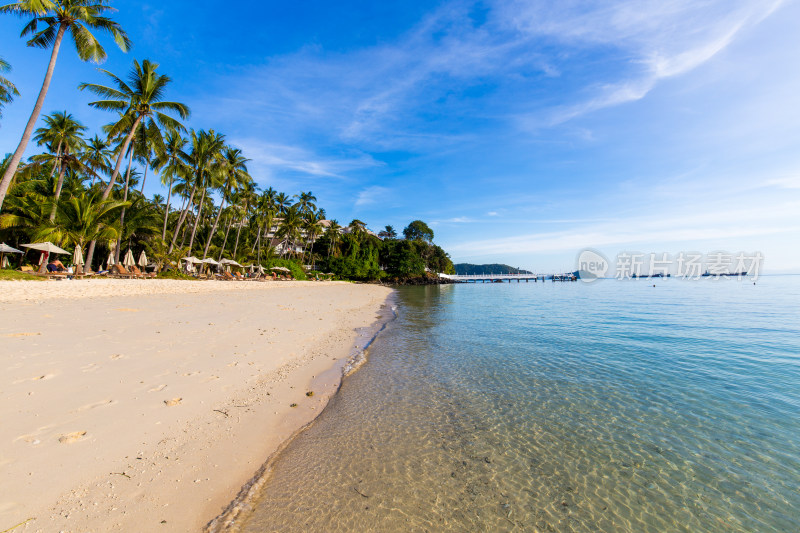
[(88, 188)]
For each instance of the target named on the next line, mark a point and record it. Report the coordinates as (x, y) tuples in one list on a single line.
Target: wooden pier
[(503, 278)]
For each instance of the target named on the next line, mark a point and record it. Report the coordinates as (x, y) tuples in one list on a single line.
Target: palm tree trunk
[(238, 231), (182, 218), (8, 175), (122, 214), (197, 219), (57, 160), (214, 228), (110, 186), (225, 242), (144, 178), (166, 212), (59, 185)]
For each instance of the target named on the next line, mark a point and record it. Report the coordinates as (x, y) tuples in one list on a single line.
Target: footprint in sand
[(36, 378), (69, 438), (173, 402), (94, 405), (91, 367), (158, 389), (117, 356)]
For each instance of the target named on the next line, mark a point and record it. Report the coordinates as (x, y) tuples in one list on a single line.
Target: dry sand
[(145, 405)]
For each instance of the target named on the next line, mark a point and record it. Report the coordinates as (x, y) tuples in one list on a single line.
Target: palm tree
[(171, 163), (388, 233), (248, 195), (234, 169), (97, 158), (334, 233), (58, 17), (282, 202), (358, 229), (7, 89), (206, 161), (64, 132), (289, 230), (139, 100), (312, 229), (306, 202)]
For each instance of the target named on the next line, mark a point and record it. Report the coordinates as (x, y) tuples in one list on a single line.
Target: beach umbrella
[(251, 269), (192, 260), (77, 255), (6, 249), (282, 269), (260, 269), (128, 261), (48, 247), (209, 261), (142, 260), (110, 262)]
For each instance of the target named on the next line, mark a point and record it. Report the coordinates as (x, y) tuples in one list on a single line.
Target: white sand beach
[(145, 405)]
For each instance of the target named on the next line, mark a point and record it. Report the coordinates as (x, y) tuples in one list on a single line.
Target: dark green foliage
[(297, 269), (470, 269), (418, 230)]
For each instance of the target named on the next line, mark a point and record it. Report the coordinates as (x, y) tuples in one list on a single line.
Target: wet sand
[(142, 405)]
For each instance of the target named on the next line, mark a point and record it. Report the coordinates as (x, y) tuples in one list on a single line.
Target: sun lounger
[(119, 271)]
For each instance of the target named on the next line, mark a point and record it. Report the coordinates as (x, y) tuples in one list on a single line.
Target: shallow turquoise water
[(615, 406)]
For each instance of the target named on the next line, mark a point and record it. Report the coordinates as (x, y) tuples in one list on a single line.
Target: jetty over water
[(502, 278)]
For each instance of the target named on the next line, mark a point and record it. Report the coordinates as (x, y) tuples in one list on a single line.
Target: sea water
[(611, 406)]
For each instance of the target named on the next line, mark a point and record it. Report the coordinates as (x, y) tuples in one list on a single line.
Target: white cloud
[(372, 195)]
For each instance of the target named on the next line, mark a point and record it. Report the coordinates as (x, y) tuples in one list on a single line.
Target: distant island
[(494, 268)]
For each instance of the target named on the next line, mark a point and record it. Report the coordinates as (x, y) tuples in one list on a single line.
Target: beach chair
[(139, 274), (227, 276), (119, 271), (238, 276)]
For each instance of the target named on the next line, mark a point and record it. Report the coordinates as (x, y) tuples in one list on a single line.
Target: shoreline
[(104, 449), (227, 521)]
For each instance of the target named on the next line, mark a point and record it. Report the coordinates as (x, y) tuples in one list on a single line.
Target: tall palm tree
[(289, 230), (282, 202), (206, 161), (59, 17), (64, 132), (306, 202), (334, 234), (7, 89), (234, 172), (97, 158), (248, 195), (171, 164), (139, 100)]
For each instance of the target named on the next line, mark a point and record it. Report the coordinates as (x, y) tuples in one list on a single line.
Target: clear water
[(616, 406)]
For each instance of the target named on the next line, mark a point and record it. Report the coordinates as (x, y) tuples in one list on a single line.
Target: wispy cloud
[(372, 195)]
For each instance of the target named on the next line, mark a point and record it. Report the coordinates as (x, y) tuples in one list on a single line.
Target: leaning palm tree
[(171, 163), (234, 171), (59, 17), (7, 89), (138, 101)]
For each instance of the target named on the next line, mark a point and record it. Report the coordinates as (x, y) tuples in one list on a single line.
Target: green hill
[(470, 269)]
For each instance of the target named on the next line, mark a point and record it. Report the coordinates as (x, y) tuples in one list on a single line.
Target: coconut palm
[(234, 172), (137, 101), (247, 197), (206, 162), (289, 230), (282, 202), (171, 163), (59, 17), (334, 234), (65, 133), (97, 158), (7, 89), (306, 202)]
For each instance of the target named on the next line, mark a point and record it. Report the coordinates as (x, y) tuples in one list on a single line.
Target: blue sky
[(521, 131)]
